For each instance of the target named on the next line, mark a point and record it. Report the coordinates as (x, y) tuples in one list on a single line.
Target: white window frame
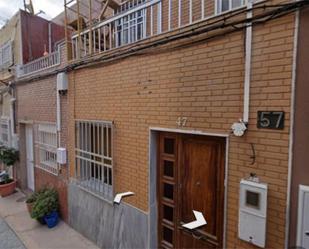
[(47, 148), (94, 157), (231, 5), (5, 132), (6, 55), (128, 27)]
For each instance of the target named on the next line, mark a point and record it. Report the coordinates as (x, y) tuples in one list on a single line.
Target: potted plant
[(45, 207), (31, 200), (7, 185)]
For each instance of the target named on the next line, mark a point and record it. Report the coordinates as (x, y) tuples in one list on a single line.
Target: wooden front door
[(190, 177)]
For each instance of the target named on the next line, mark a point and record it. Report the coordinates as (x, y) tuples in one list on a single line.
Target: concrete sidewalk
[(35, 236)]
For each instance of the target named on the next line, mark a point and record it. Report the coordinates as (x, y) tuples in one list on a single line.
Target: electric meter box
[(62, 82), (61, 155), (252, 212)]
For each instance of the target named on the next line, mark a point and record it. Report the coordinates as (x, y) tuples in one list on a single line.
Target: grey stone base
[(107, 225)]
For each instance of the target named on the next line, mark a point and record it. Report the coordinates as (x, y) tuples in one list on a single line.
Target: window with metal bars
[(130, 28), (47, 147), (93, 157), (227, 5)]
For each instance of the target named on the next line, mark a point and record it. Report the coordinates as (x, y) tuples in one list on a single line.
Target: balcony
[(136, 20), (40, 64)]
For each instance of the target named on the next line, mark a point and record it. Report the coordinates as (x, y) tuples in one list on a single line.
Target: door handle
[(307, 233)]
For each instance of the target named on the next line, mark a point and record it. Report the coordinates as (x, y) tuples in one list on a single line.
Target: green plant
[(46, 201), (8, 156)]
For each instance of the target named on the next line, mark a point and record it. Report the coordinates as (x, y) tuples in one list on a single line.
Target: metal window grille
[(93, 157), (5, 132), (47, 146)]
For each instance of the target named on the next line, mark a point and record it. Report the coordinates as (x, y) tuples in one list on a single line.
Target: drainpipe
[(62, 87), (58, 117), (240, 127), (14, 143), (49, 37), (248, 65)]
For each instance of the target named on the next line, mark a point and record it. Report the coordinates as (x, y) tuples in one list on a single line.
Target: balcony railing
[(139, 19), (43, 63)]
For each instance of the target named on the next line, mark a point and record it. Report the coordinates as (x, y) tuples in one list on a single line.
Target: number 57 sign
[(270, 120)]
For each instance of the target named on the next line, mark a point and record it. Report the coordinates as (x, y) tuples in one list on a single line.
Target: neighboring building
[(42, 122), (37, 53), (10, 55), (23, 39), (299, 204), (153, 94)]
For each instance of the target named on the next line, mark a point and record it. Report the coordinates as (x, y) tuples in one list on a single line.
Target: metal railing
[(47, 148), (43, 63), (139, 19)]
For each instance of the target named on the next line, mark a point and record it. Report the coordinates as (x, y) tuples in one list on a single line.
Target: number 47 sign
[(270, 120)]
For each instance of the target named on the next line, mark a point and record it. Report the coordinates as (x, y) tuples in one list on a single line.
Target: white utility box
[(62, 82), (252, 212), (61, 155)]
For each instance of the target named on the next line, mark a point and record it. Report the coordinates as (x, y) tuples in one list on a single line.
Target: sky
[(9, 7)]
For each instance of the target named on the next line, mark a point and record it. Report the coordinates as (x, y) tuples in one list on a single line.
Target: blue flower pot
[(51, 219)]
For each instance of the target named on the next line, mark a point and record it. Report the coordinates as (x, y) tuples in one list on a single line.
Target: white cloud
[(51, 7)]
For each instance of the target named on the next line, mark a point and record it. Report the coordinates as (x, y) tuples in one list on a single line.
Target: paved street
[(8, 238), (19, 231)]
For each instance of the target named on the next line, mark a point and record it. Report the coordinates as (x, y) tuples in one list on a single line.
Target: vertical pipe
[(49, 37), (248, 64)]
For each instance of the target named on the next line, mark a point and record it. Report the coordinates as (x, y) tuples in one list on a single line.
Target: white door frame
[(301, 194), (30, 127)]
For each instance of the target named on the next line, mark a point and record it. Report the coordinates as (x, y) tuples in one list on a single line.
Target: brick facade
[(204, 83), (36, 104)]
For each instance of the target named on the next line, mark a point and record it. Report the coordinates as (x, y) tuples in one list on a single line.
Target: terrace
[(46, 62), (121, 24)]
